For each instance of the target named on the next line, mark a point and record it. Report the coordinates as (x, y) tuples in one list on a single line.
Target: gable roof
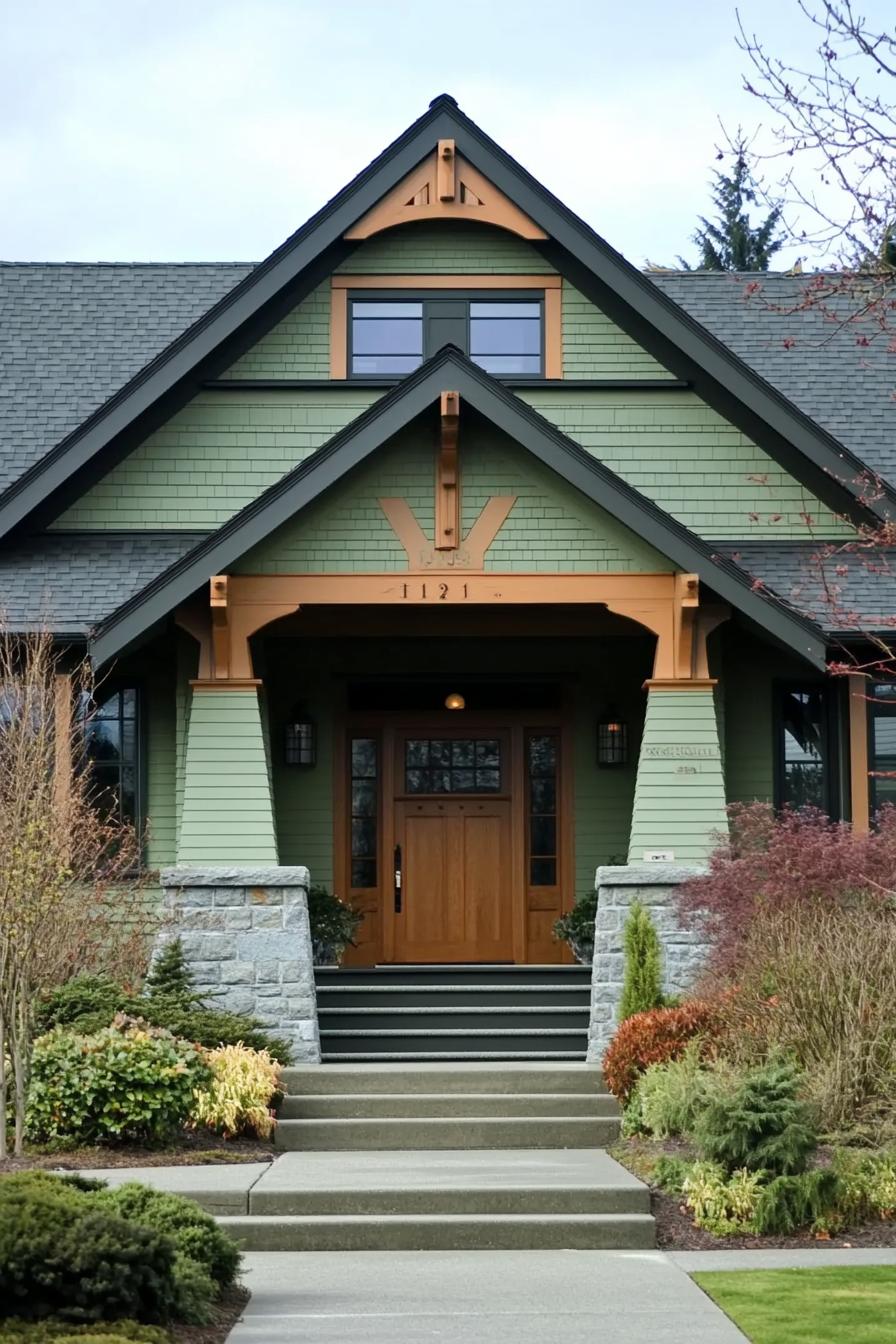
[(411, 398), (805, 449)]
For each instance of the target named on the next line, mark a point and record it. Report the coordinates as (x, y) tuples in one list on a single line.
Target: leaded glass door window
[(450, 765)]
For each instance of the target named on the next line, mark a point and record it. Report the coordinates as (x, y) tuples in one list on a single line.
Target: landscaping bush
[(127, 1082), (867, 1184), (63, 1332), (194, 1232), (242, 1090), (670, 1173), (60, 1255), (654, 1038), (722, 1204), (642, 988), (576, 927), (758, 1122), (775, 863), (669, 1097), (333, 924), (789, 1203)]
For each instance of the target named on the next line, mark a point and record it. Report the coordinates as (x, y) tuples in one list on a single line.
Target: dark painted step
[(452, 1044), (461, 974), (452, 1018), (337, 995)]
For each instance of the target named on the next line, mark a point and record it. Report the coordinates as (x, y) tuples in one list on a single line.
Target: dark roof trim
[(378, 424), (530, 384), (827, 467)]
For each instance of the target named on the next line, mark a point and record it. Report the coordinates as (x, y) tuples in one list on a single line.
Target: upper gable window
[(389, 336)]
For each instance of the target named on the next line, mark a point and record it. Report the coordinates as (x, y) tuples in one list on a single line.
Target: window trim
[(549, 289), (141, 749), (873, 711), (830, 757)]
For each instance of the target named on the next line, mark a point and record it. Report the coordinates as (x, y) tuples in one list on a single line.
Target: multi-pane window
[(802, 747), (364, 811), (541, 764), (882, 763), (452, 765), (111, 746), (389, 337)]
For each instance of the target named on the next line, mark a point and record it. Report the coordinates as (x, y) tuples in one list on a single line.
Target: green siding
[(444, 249), (680, 453), (679, 800), (551, 527), (303, 798), (161, 757), (227, 812), (215, 456), (594, 347), (297, 347)]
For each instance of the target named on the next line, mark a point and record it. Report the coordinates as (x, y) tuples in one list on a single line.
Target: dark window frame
[(556, 858), (429, 298), (829, 742), (375, 858), (875, 709), (101, 696)]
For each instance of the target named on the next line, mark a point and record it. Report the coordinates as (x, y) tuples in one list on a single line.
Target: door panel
[(455, 881)]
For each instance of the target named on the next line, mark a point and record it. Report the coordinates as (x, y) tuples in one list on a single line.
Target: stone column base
[(618, 887), (247, 940)]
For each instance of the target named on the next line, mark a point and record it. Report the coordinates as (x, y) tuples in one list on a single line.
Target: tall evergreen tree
[(731, 243)]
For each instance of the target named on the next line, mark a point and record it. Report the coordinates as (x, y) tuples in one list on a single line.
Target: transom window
[(452, 765), (389, 337)]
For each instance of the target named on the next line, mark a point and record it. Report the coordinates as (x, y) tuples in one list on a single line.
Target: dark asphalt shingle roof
[(67, 582), (71, 335), (818, 362)]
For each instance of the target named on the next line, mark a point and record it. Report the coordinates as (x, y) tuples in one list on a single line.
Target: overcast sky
[(182, 130)]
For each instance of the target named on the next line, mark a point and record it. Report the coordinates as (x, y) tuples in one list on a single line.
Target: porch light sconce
[(612, 740), (300, 745), (455, 701)]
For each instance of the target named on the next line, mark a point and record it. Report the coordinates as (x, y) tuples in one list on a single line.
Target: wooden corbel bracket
[(218, 601), (447, 476)]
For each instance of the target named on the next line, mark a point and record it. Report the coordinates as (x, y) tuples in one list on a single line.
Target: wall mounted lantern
[(612, 739), (300, 745), (455, 701)]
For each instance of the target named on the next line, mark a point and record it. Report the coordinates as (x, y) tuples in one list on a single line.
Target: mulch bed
[(676, 1232), (226, 1314), (192, 1147)]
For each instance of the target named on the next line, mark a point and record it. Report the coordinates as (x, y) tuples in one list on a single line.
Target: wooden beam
[(447, 532), (446, 189), (859, 780)]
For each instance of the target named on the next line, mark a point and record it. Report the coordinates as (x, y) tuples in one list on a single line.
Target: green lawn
[(808, 1306)]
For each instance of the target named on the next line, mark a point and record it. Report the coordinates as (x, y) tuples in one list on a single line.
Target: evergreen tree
[(642, 986), (731, 243), (170, 976)]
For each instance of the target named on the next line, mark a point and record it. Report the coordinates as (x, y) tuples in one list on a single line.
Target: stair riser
[(447, 1107), (436, 1019), (454, 975), (468, 996), (346, 1079), (377, 1042), (632, 1232), (389, 1203), (368, 1135)]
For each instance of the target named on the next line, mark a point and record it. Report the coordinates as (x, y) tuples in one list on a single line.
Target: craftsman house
[(445, 552)]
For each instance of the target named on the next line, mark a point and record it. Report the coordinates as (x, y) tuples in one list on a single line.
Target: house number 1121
[(432, 591)]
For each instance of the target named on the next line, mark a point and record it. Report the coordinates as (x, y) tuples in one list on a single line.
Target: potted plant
[(576, 927), (333, 925)]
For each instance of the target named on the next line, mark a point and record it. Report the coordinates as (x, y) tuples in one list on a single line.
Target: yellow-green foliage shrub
[(241, 1093), (721, 1204)]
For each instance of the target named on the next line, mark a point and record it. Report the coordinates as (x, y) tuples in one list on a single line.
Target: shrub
[(63, 1332), (722, 1204), (576, 927), (819, 984), (670, 1173), (772, 863), (670, 1096), (642, 985), (88, 1003), (60, 1255), (194, 1232), (867, 1184), (169, 976), (789, 1203), (653, 1038), (333, 924), (126, 1082), (758, 1122), (239, 1098)]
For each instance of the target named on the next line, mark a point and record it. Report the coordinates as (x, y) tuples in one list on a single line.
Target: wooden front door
[(453, 882)]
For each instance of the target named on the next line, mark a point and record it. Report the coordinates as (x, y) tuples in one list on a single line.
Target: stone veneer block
[(247, 939), (618, 887)]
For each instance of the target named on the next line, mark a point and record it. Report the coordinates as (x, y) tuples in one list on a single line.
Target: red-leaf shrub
[(653, 1038), (773, 862)]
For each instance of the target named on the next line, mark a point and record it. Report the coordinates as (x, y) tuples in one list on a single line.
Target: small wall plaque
[(659, 855)]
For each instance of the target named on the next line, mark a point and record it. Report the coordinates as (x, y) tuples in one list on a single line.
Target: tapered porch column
[(228, 813), (679, 806)]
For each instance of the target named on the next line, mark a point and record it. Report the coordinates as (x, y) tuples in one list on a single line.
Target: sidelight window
[(541, 761), (364, 812), (803, 747)]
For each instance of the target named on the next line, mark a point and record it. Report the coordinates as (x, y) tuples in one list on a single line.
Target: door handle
[(397, 878)]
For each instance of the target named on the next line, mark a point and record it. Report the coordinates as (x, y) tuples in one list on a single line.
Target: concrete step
[(387, 1076), (447, 1105), (422, 1232), (467, 1132), (477, 1200), (340, 995), (427, 1018), (452, 975), (438, 1040)]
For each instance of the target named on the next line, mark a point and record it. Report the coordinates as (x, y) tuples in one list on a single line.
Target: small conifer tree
[(642, 986), (170, 976)]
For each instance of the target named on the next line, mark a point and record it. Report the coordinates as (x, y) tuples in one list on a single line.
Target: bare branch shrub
[(69, 897)]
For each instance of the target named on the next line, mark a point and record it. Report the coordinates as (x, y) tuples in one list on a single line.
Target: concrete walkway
[(469, 1297)]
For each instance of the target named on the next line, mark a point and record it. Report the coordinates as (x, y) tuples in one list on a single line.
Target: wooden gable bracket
[(220, 627), (445, 186), (447, 532)]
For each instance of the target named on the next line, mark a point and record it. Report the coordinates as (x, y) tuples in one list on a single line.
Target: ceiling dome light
[(455, 701)]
